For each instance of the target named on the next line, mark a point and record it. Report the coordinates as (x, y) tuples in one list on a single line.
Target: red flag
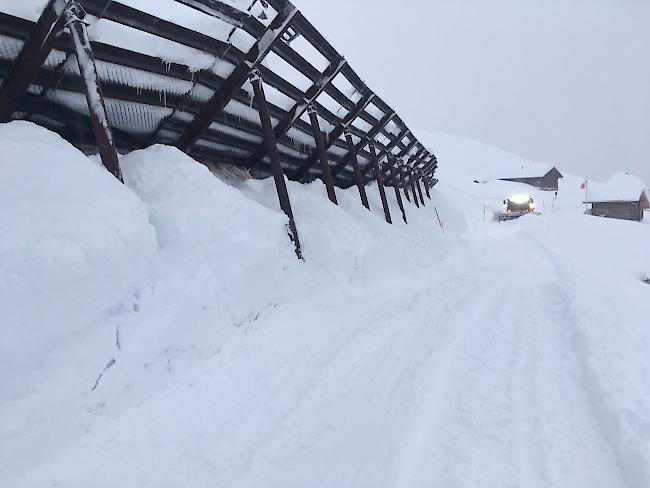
[(584, 185)]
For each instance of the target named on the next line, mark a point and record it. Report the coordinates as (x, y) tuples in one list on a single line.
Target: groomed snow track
[(176, 72)]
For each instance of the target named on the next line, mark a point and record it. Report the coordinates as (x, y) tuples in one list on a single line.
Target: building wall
[(550, 181), (618, 210)]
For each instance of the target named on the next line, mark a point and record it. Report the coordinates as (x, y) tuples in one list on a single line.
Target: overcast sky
[(564, 81)]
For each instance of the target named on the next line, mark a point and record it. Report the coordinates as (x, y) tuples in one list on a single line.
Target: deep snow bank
[(74, 243), (198, 218)]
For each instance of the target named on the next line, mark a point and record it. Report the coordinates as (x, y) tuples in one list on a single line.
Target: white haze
[(563, 81)]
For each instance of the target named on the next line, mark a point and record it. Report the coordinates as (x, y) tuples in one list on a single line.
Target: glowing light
[(520, 198)]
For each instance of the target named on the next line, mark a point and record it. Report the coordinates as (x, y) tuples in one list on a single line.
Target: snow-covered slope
[(502, 355)]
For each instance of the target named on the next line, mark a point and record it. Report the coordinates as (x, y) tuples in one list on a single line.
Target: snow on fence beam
[(322, 152), (358, 178), (364, 141), (387, 149), (391, 181), (145, 22), (32, 56), (220, 10), (398, 195), (300, 107), (337, 132), (380, 182), (274, 156), (237, 78), (94, 96)]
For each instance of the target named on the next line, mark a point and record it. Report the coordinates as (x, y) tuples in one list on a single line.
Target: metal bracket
[(255, 75)]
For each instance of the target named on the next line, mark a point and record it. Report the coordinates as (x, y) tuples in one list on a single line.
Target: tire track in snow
[(631, 464), (514, 412)]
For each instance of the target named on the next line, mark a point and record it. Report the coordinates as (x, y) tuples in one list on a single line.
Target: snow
[(74, 245), (622, 187), (510, 354), (530, 170)]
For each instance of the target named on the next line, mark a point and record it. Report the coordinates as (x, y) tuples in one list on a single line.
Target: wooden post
[(357, 170), (417, 184), (340, 128), (94, 96), (393, 175), (380, 181), (402, 177), (299, 108), (322, 154), (274, 156), (412, 185), (426, 189), (31, 58)]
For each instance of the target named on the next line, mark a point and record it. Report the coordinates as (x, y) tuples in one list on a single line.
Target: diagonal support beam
[(402, 177), (299, 108), (393, 144), (237, 78), (398, 195), (359, 147), (358, 178), (322, 153), (391, 180), (32, 56), (380, 181), (419, 187), (94, 95), (335, 134), (426, 189), (274, 155)]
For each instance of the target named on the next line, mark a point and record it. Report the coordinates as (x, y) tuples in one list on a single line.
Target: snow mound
[(74, 242), (199, 218)]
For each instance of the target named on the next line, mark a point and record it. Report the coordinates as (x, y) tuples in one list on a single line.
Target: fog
[(562, 81)]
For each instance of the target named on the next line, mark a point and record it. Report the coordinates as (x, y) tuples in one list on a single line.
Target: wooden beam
[(426, 189), (322, 152), (335, 134), (393, 173), (358, 178), (411, 183), (237, 78), (31, 57), (276, 165), (419, 187), (388, 148), (364, 141), (391, 181), (380, 181), (402, 176), (74, 17), (299, 108)]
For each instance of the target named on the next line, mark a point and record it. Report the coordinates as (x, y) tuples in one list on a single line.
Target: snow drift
[(194, 349)]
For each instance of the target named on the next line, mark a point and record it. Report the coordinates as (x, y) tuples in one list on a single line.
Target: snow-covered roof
[(622, 187), (529, 170)]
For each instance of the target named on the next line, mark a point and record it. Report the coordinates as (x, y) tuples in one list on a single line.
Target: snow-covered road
[(475, 379)]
